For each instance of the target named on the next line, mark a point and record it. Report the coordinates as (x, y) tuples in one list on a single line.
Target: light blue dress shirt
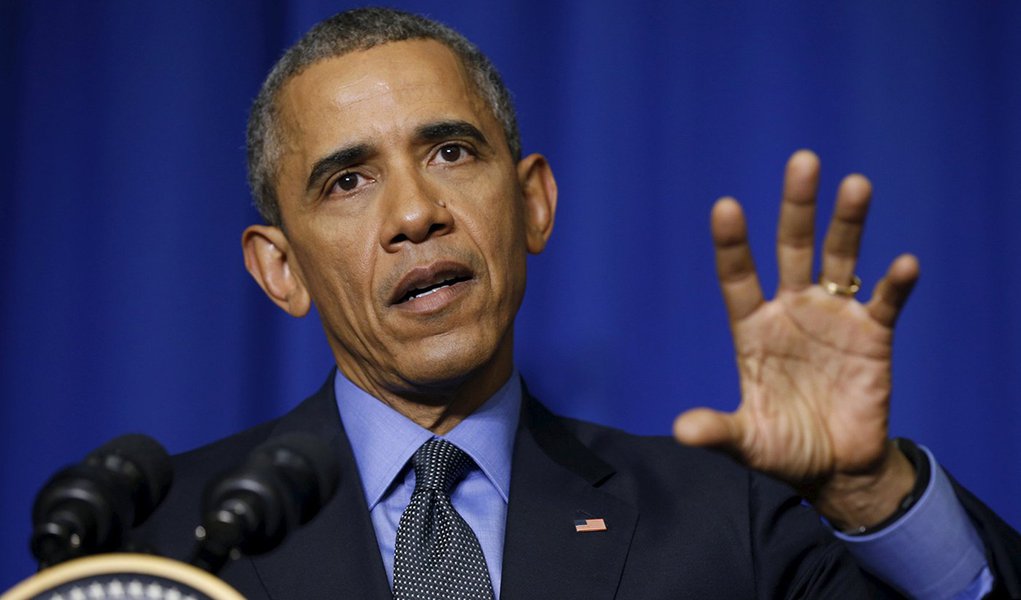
[(384, 440), (931, 552)]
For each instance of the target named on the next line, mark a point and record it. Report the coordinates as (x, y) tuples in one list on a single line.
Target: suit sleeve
[(794, 554), (1002, 543), (948, 542)]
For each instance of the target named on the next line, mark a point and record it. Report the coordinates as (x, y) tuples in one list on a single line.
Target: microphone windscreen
[(293, 448), (145, 462), (88, 507), (283, 484)]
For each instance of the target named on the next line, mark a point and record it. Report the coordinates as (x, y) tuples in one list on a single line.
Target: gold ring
[(834, 289)]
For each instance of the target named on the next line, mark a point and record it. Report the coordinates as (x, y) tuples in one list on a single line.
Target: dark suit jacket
[(681, 522)]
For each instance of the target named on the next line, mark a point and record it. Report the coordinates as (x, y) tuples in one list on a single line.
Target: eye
[(347, 182), (452, 154)]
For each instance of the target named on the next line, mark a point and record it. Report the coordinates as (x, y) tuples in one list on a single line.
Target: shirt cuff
[(933, 551)]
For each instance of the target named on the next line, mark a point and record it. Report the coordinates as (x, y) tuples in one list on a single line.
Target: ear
[(269, 260), (540, 196)]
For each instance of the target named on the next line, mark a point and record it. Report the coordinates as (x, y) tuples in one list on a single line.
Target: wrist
[(860, 502)]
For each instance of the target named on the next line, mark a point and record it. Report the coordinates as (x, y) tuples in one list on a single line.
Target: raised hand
[(814, 362)]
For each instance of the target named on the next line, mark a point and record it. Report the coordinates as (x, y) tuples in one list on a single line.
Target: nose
[(413, 212)]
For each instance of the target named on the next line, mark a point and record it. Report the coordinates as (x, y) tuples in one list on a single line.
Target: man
[(385, 158)]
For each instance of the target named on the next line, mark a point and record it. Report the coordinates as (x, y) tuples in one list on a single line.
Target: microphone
[(87, 508), (281, 485)]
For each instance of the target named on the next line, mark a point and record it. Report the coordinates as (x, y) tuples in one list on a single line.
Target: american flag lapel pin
[(584, 522)]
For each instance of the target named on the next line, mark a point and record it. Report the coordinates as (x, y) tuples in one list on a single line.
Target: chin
[(450, 361)]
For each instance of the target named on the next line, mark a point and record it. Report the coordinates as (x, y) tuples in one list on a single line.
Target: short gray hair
[(350, 31)]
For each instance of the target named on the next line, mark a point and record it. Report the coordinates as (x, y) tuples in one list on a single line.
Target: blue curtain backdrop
[(126, 307)]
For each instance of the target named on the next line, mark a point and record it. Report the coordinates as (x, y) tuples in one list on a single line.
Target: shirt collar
[(383, 440)]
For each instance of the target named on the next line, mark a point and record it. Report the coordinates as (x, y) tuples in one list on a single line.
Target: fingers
[(892, 291), (735, 268), (704, 427), (795, 233), (843, 238)]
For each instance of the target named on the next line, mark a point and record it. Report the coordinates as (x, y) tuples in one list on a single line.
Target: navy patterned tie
[(437, 556)]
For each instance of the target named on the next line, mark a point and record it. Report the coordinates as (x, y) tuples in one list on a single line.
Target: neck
[(440, 405)]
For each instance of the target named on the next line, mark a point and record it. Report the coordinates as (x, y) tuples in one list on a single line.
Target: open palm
[(814, 364)]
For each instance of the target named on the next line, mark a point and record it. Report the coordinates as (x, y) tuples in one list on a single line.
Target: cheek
[(499, 217), (508, 233), (500, 233), (340, 279)]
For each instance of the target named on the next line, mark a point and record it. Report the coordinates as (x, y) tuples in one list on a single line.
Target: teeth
[(427, 292), (413, 295)]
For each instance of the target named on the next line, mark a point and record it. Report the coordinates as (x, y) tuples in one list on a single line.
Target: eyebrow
[(441, 130), (336, 161), (356, 153)]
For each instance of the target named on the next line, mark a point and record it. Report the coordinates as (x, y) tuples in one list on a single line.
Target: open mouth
[(422, 282), (422, 292)]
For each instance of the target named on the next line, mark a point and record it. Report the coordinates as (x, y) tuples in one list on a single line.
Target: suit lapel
[(336, 554), (554, 479)]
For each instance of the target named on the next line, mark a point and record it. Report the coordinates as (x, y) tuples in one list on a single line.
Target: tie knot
[(438, 465)]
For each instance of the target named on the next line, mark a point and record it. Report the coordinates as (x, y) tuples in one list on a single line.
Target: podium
[(124, 577)]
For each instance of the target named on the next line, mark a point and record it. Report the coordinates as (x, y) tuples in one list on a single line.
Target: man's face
[(407, 220)]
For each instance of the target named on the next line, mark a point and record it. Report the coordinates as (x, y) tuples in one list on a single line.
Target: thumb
[(711, 428)]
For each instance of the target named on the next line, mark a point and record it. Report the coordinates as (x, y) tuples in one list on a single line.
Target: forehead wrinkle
[(407, 96), (401, 79)]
